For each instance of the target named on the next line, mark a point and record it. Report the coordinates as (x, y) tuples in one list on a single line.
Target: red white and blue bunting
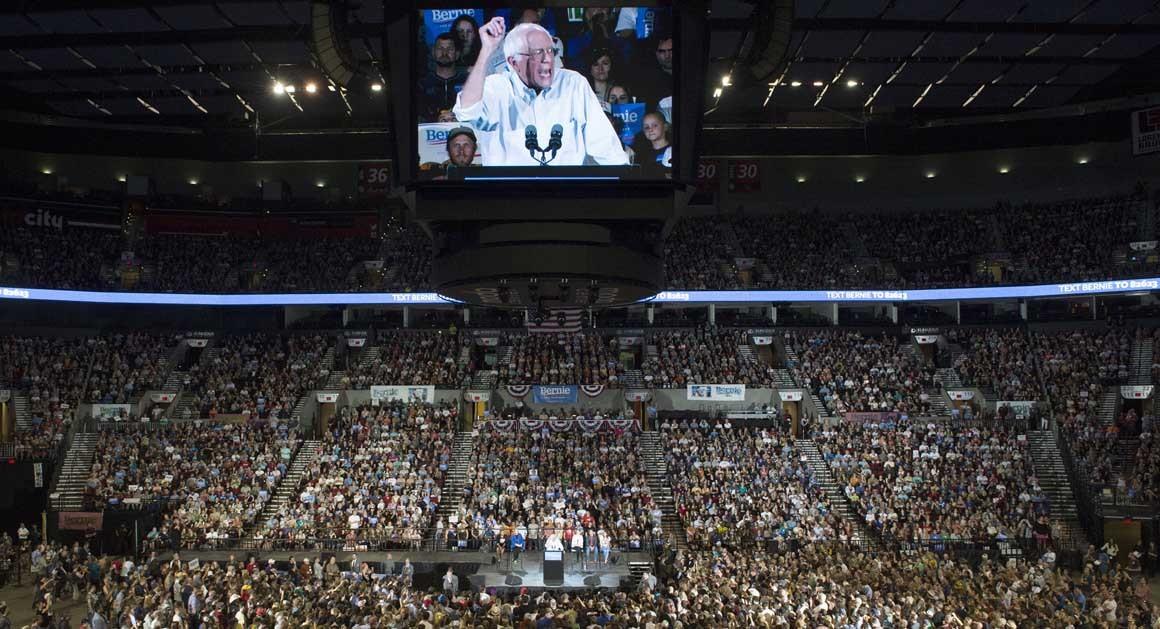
[(592, 390), (564, 425), (519, 390)]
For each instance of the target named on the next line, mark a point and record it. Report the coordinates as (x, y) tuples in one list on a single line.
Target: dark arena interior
[(706, 313)]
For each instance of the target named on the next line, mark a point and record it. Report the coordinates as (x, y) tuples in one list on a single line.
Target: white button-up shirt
[(508, 107)]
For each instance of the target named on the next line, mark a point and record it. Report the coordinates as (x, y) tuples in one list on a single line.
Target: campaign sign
[(632, 115), (554, 395), (433, 142), (439, 21)]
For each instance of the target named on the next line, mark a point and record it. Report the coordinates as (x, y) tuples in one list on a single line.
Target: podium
[(553, 567)]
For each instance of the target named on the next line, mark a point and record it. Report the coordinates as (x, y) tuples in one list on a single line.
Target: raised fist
[(491, 34)]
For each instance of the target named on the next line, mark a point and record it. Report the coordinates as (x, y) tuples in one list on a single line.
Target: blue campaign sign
[(439, 21), (632, 115), (554, 395)]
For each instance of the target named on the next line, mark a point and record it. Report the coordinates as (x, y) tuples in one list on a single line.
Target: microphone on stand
[(556, 140), (531, 141)]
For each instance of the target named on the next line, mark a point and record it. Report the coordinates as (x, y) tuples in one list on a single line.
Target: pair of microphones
[(532, 143)]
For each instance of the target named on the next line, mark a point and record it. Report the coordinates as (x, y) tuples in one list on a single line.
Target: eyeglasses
[(540, 54)]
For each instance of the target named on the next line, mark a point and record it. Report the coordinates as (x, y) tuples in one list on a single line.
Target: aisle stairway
[(833, 490), (658, 483), (484, 380), (174, 381), (335, 375), (184, 402), (1141, 368), (451, 495), (1109, 403), (783, 379), (69, 487), (287, 489), (948, 378), (22, 411), (1053, 479)]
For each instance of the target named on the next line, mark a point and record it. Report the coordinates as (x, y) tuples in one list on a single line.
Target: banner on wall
[(1146, 131), (868, 417), (1143, 245), (110, 411), (708, 176), (519, 390), (487, 341), (356, 342), (638, 395), (554, 394), (763, 340), (960, 394), (925, 339), (326, 398), (790, 396), (716, 392), (197, 342), (1021, 409), (1136, 392), (477, 396), (395, 393), (80, 520), (744, 264), (374, 180), (162, 398)]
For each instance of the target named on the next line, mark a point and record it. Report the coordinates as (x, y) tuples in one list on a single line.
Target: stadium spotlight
[(193, 181), (801, 178), (930, 174), (279, 88), (717, 92), (1083, 159), (376, 87), (330, 87), (320, 184), (46, 171), (727, 80), (851, 83), (121, 178), (859, 178), (819, 83), (1003, 170), (795, 83), (311, 88)]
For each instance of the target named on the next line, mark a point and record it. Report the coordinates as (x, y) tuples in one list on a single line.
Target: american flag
[(551, 325)]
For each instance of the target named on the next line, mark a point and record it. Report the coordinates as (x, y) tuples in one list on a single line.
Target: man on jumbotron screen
[(533, 104)]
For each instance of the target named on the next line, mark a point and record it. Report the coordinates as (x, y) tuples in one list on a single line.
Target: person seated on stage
[(516, 542)]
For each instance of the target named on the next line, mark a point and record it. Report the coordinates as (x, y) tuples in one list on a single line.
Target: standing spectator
[(451, 583)]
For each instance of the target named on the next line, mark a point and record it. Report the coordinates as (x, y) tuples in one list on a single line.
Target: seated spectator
[(999, 361), (706, 355), (413, 358), (561, 359)]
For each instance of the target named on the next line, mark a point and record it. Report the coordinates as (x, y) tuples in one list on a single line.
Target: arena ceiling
[(186, 63)]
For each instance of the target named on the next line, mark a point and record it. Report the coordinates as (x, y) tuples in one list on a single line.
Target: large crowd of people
[(1077, 366), (258, 375), (915, 481), (51, 372), (852, 372), (997, 360), (706, 355), (563, 358), (412, 357), (746, 487), (375, 483), (819, 585), (211, 479), (127, 365), (540, 482)]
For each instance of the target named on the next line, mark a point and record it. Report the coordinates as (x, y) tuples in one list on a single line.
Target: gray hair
[(517, 39)]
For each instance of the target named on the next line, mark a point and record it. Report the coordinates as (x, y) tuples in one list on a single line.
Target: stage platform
[(529, 573)]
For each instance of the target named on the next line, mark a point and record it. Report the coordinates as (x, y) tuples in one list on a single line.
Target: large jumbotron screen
[(540, 92)]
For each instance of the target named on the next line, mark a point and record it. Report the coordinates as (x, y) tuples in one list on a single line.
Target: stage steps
[(658, 483)]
